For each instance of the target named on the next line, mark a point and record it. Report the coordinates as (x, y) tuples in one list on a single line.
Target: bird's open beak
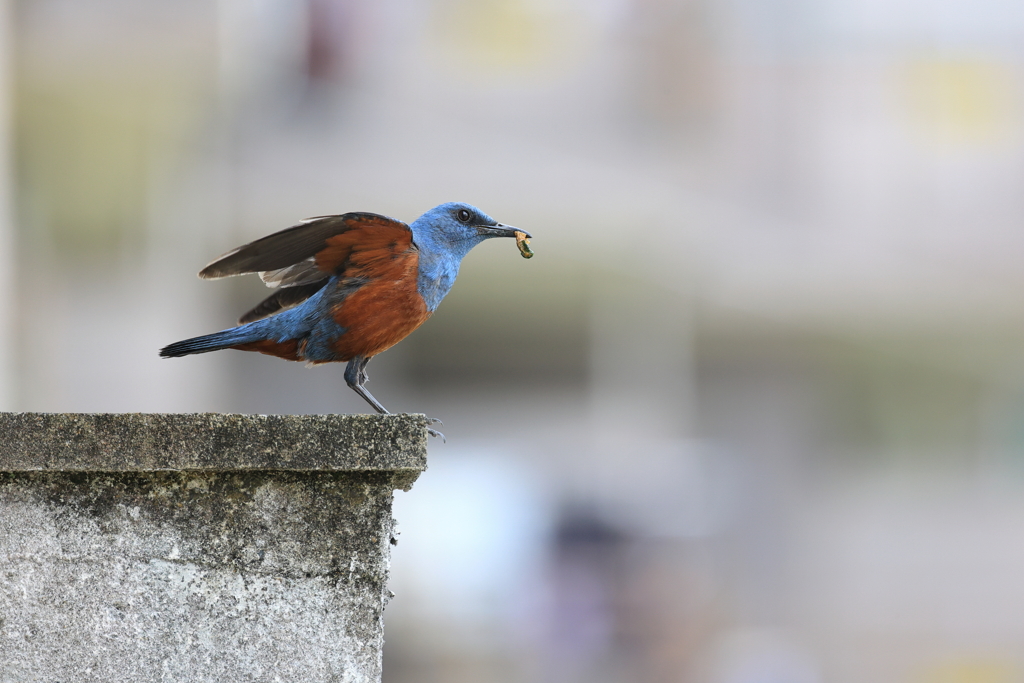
[(499, 230)]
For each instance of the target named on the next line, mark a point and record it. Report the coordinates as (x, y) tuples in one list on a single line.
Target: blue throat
[(439, 263)]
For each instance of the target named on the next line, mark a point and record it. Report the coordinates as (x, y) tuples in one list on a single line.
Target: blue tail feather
[(214, 342)]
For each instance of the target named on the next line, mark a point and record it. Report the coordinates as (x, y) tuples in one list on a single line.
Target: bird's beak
[(499, 230)]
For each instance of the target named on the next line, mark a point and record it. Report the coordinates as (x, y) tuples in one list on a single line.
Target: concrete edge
[(145, 442)]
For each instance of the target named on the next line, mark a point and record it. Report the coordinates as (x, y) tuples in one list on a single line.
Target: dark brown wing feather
[(283, 298), (296, 244)]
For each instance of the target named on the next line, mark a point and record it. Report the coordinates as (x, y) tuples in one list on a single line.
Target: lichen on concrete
[(133, 442), (214, 574)]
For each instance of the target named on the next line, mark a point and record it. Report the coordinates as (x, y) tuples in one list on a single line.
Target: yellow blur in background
[(753, 414)]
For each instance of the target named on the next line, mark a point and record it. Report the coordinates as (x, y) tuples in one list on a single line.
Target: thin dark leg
[(355, 377)]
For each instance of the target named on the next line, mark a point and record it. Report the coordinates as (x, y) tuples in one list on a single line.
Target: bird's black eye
[(464, 215)]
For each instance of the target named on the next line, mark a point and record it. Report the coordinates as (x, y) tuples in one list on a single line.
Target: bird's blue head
[(444, 235), (455, 228)]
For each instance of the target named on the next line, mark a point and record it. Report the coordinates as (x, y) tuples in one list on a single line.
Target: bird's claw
[(434, 432)]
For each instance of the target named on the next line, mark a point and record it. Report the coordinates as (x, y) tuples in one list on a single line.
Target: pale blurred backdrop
[(753, 414)]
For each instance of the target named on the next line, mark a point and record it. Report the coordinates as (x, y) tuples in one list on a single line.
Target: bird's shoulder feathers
[(327, 240), (301, 259)]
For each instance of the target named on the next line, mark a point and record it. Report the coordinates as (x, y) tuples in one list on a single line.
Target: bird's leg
[(355, 377)]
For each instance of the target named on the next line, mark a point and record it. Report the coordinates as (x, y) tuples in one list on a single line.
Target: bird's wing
[(300, 259), (283, 298), (301, 273), (308, 252)]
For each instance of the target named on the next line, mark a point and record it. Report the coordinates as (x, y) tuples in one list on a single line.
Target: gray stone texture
[(198, 547)]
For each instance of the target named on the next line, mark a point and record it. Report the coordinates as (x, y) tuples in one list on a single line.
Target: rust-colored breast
[(387, 308)]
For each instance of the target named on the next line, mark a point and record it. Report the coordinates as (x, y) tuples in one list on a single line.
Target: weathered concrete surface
[(133, 442), (264, 557)]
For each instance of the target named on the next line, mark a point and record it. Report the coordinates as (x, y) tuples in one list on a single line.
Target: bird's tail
[(244, 334)]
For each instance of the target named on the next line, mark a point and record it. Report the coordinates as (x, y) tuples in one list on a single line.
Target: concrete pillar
[(201, 547)]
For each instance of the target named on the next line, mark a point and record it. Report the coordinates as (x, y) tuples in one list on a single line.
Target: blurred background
[(753, 414)]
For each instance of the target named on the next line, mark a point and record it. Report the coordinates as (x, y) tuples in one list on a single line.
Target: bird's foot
[(434, 432)]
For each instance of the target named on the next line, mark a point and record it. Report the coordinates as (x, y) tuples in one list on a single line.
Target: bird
[(348, 286)]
